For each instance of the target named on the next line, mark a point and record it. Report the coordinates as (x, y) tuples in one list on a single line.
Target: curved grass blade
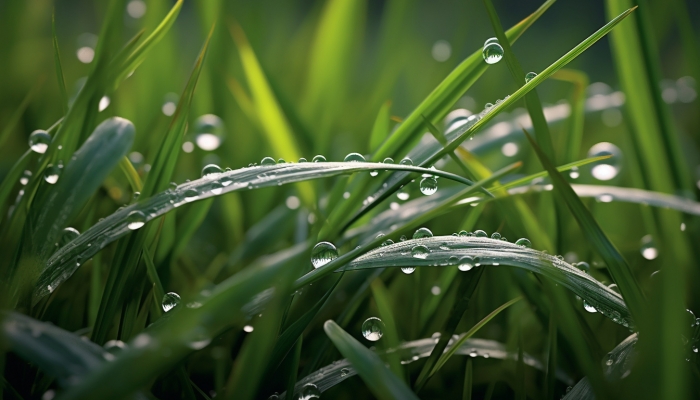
[(368, 365), (492, 252), (335, 373), (617, 265), (57, 64), (63, 263), (468, 381)]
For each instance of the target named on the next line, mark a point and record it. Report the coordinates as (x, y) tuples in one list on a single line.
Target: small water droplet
[(135, 220), (388, 160), (39, 141), (387, 242), (354, 157), (588, 307), (492, 53), (610, 360), (648, 249), (323, 253), (403, 238), (406, 161), (309, 392), (373, 329), (480, 233), (403, 194), (209, 130), (302, 160), (496, 236), (217, 187), (422, 233), (170, 301), (68, 235), (607, 169), (344, 372), (491, 40), (52, 173), (281, 161), (573, 173), (319, 158), (24, 179), (583, 266), (191, 195), (524, 242), (530, 76), (268, 161), (466, 263), (248, 328), (408, 270), (211, 171), (428, 186), (420, 251), (473, 353)]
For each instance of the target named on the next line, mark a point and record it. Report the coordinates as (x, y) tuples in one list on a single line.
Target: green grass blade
[(550, 376), (368, 365), (575, 123), (380, 129), (57, 63), (617, 265), (293, 368), (12, 177), (468, 381), (391, 333)]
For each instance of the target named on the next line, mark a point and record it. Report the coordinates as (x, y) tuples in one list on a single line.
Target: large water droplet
[(323, 253), (480, 233), (588, 307), (319, 158), (170, 301), (68, 235), (422, 233), (135, 220), (39, 141), (211, 171), (268, 161), (648, 248), (492, 53), (530, 76), (525, 242), (466, 263), (373, 329), (408, 270), (607, 169), (209, 130), (52, 173), (428, 186), (354, 157), (420, 251), (309, 392)]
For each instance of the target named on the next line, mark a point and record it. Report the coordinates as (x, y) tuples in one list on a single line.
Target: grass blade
[(57, 63), (391, 333), (468, 381), (368, 365)]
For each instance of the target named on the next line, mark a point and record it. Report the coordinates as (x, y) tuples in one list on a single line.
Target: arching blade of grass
[(368, 365), (463, 337), (492, 252), (617, 265), (428, 155), (116, 225)]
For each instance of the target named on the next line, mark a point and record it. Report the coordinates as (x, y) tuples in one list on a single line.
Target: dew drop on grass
[(403, 194), (530, 76), (403, 238), (114, 346), (248, 328), (609, 168), (463, 233), (428, 186), (39, 141), (373, 329), (209, 132), (281, 161), (309, 392), (525, 242), (354, 157), (52, 173), (135, 220), (24, 179), (388, 160), (408, 270), (268, 161), (68, 235), (491, 40), (319, 158), (170, 301), (466, 264), (387, 242), (211, 171), (406, 161), (323, 253), (492, 53), (217, 187), (610, 360), (422, 233), (588, 307), (573, 173), (583, 266), (480, 233), (648, 249), (191, 195), (302, 160), (344, 372), (496, 236), (420, 252)]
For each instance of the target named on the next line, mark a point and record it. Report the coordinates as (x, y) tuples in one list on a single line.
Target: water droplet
[(309, 392), (529, 76), (388, 160), (170, 301), (387, 242), (573, 173), (422, 233), (68, 235), (373, 173), (406, 161), (491, 40), (191, 195), (323, 253), (466, 263), (217, 187), (588, 307), (373, 329), (583, 266), (135, 220), (211, 171), (480, 233), (648, 249), (428, 186), (248, 328), (354, 157), (408, 270), (473, 353), (496, 236), (403, 194), (51, 174), (344, 372), (209, 130), (24, 179), (610, 360), (492, 53), (302, 160), (463, 233), (525, 242), (39, 141), (420, 251), (319, 158), (281, 161), (435, 290), (403, 238), (268, 161), (114, 346), (695, 349), (607, 169)]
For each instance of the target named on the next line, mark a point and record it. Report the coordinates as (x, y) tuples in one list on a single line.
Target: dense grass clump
[(317, 209)]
